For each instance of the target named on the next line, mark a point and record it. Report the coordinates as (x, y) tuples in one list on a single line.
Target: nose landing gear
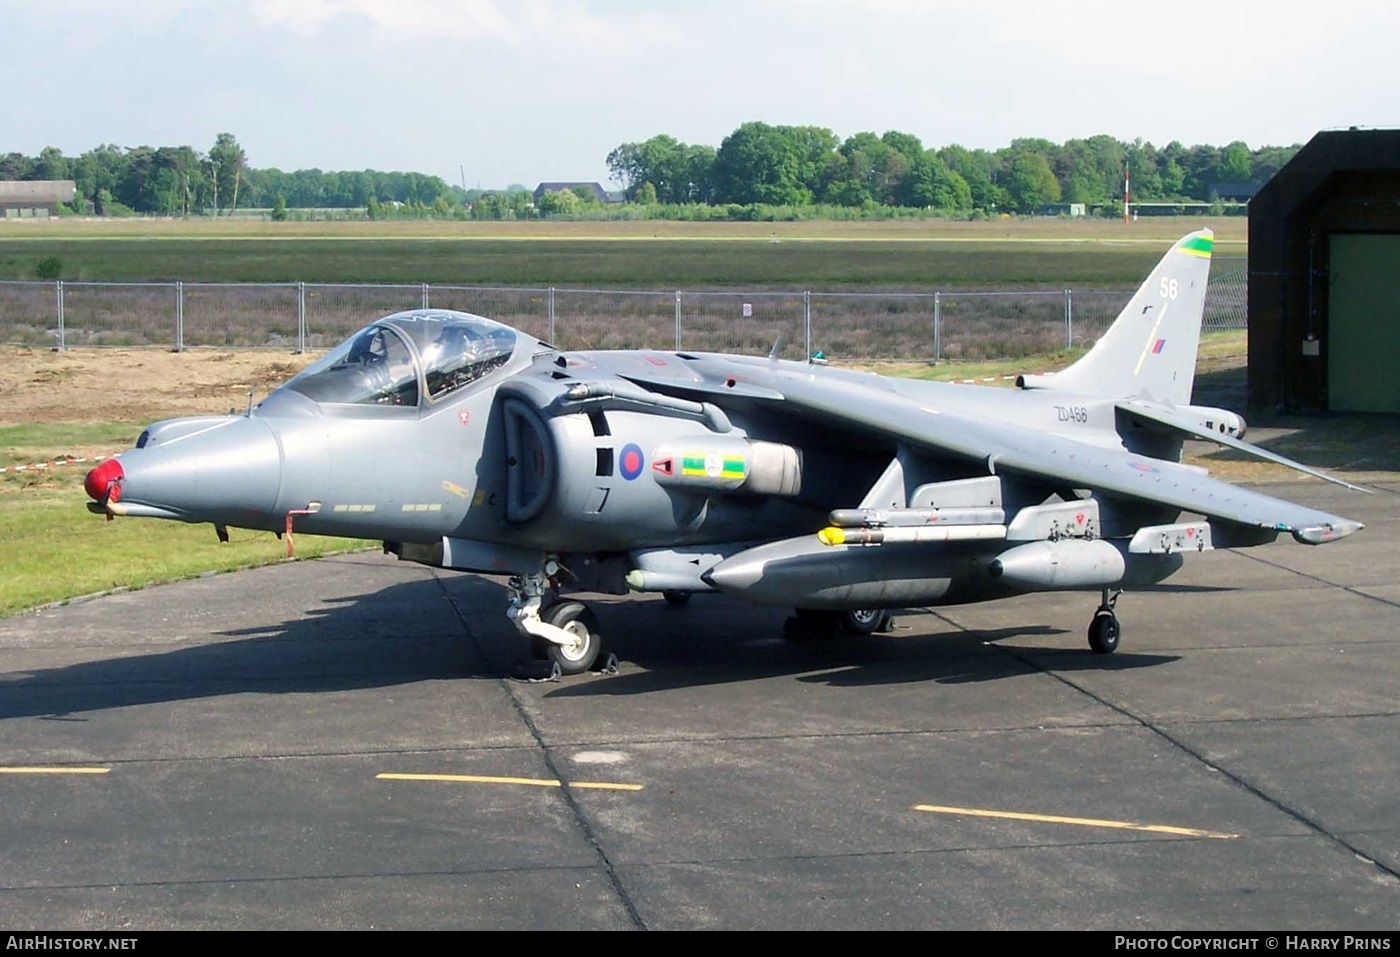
[(564, 632)]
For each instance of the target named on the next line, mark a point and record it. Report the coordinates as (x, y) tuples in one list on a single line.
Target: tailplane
[(1150, 350)]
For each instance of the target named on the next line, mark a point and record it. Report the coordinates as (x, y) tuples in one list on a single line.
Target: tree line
[(178, 180), (758, 171), (799, 166)]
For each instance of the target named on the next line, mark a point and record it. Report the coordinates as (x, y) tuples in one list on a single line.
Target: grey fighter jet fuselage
[(460, 442)]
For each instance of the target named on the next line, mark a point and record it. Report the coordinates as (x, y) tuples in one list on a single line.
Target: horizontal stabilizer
[(1164, 415)]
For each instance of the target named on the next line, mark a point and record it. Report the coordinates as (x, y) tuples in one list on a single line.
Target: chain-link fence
[(846, 325)]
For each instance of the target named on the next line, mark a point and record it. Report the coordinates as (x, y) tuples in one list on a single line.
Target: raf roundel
[(632, 462)]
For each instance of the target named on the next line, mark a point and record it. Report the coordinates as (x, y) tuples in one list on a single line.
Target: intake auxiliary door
[(532, 463)]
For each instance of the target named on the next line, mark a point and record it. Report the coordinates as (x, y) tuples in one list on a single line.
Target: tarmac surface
[(223, 742)]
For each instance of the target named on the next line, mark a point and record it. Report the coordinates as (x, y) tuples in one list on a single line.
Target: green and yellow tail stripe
[(1197, 245)]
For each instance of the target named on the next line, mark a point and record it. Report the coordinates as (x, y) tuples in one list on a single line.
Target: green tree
[(51, 165), (1030, 182), (1235, 164), (678, 173), (228, 162), (13, 166), (976, 168), (279, 209), (933, 185), (562, 203), (777, 165)]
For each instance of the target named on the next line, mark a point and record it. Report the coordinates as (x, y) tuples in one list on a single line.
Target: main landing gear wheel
[(581, 654), (1104, 630), (675, 597), (864, 621), (820, 623)]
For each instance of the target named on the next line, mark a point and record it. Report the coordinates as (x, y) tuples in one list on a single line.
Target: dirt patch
[(138, 386)]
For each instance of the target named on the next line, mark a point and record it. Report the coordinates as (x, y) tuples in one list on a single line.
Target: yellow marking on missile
[(353, 508), (522, 782), (22, 770), (456, 489), (832, 536), (1081, 821), (424, 507), (480, 497)]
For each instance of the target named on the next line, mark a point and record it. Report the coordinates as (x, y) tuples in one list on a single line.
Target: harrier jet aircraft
[(462, 443)]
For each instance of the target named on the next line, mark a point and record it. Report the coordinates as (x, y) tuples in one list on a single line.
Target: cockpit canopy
[(414, 357)]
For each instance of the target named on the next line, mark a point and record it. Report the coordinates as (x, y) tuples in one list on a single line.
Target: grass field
[(928, 255)]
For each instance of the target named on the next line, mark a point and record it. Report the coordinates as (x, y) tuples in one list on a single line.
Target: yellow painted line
[(54, 770), (1081, 821), (525, 782)]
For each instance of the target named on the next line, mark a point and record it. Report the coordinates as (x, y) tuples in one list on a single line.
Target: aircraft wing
[(1164, 415), (1006, 447)]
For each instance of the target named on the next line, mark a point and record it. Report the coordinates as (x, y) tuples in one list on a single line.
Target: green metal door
[(1363, 324)]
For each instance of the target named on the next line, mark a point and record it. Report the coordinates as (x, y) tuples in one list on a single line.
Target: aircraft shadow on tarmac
[(379, 639), (419, 631), (697, 645)]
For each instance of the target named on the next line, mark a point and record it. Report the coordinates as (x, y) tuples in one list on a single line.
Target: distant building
[(34, 197), (599, 194)]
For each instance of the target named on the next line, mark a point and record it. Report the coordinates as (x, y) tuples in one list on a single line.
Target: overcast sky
[(501, 91)]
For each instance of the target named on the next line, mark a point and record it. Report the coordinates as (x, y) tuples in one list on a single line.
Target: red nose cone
[(100, 479)]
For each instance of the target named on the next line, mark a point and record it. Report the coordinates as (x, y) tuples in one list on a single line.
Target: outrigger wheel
[(1104, 630)]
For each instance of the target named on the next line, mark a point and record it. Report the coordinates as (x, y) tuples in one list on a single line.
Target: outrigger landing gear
[(1103, 630), (564, 632), (817, 623)]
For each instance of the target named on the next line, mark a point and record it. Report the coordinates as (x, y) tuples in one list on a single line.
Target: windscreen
[(427, 354)]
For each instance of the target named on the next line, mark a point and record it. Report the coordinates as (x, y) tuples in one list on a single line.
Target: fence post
[(58, 291), (1069, 319), (425, 295), (301, 317), (807, 322), (937, 326), (179, 316), (678, 320), (549, 301)]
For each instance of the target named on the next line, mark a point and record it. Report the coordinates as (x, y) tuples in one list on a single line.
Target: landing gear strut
[(564, 632), (1104, 630)]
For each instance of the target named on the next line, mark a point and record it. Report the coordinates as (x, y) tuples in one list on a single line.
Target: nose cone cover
[(228, 471), (99, 480)]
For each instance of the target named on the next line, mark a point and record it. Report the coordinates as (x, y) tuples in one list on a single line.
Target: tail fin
[(1150, 350)]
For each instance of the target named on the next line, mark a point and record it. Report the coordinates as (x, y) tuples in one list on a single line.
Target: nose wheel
[(581, 654), (1104, 629), (564, 632)]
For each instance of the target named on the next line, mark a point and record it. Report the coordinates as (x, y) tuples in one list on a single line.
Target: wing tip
[(1326, 532)]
